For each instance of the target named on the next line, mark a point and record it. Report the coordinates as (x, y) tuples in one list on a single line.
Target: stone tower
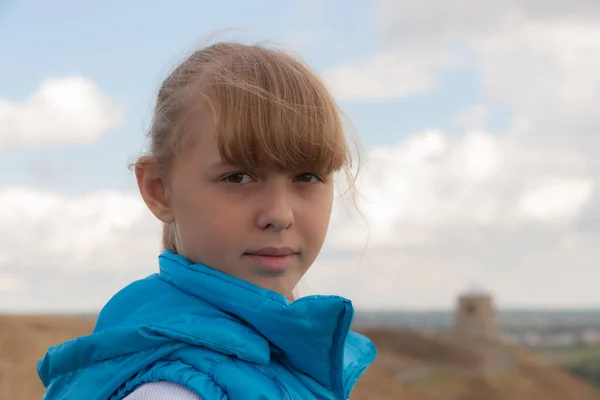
[(475, 316)]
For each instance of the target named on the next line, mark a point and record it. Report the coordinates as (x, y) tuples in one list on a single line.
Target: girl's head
[(243, 147)]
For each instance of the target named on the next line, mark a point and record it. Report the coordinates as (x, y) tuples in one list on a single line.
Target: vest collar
[(313, 333)]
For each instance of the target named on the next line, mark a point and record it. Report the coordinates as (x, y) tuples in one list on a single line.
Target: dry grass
[(24, 340), (420, 367), (409, 366)]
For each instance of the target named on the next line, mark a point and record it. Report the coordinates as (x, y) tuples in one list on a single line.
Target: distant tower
[(475, 316)]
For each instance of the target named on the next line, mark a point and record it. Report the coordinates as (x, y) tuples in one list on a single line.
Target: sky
[(479, 124)]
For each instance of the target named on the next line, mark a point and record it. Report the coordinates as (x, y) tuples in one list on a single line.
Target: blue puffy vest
[(219, 336)]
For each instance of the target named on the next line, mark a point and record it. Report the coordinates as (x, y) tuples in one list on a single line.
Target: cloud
[(547, 75), (433, 181), (472, 118), (546, 271), (70, 110), (9, 283), (516, 211), (387, 76), (556, 200), (527, 52), (443, 212), (438, 21), (63, 232), (60, 252)]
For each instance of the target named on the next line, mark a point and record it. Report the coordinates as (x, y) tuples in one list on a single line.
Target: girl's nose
[(276, 212)]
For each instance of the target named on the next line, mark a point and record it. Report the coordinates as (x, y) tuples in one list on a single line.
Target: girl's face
[(265, 226)]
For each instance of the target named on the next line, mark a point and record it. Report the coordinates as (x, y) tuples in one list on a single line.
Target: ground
[(410, 365), (417, 366)]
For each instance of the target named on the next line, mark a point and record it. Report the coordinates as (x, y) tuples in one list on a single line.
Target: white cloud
[(444, 211), (432, 181), (53, 231), (62, 252), (473, 118), (556, 200), (70, 110), (548, 76), (387, 76), (535, 55), (538, 273), (9, 283), (514, 211)]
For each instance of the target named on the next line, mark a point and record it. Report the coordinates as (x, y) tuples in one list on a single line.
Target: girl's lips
[(276, 263), (273, 251)]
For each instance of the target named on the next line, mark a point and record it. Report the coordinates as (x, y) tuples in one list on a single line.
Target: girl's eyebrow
[(217, 164), (221, 164)]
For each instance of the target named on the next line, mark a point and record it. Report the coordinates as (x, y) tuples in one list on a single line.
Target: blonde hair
[(269, 109)]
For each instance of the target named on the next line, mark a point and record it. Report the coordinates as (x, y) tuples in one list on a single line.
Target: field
[(410, 365), (568, 356), (582, 361), (423, 367)]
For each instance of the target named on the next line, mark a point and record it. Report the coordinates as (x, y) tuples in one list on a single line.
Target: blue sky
[(477, 168), (127, 48)]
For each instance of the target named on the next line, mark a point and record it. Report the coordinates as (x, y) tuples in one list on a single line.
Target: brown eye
[(237, 178), (309, 178)]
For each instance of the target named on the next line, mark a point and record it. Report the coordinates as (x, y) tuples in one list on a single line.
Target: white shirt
[(162, 391)]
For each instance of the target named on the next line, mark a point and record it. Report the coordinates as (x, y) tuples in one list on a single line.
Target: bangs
[(271, 110)]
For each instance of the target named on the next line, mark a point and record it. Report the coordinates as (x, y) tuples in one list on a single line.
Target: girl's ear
[(154, 189)]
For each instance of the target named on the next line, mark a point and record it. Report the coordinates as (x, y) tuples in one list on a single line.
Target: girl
[(244, 144)]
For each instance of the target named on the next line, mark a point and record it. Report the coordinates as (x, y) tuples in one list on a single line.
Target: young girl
[(244, 144)]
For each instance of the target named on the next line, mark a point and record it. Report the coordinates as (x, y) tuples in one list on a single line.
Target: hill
[(413, 365), (24, 340), (410, 365)]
